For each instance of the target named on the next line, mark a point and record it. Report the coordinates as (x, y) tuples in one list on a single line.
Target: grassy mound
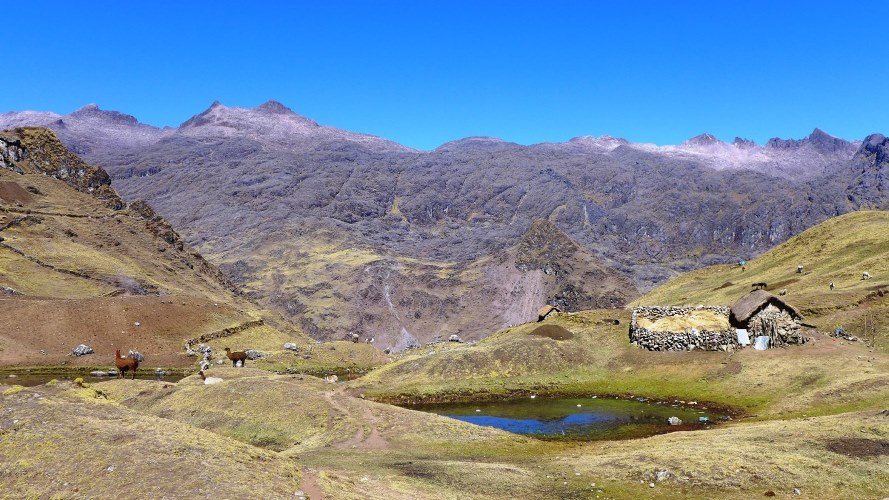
[(66, 443)]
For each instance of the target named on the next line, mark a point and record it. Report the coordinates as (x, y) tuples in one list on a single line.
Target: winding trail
[(373, 441), (309, 485)]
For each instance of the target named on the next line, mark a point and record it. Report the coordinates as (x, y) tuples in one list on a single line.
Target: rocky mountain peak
[(742, 143), (826, 143), (271, 117), (92, 111), (702, 140), (274, 107), (819, 140), (544, 245), (476, 143)]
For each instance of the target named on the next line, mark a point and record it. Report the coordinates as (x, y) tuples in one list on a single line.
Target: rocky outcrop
[(818, 140), (573, 278), (161, 228), (11, 152), (38, 150), (870, 167)]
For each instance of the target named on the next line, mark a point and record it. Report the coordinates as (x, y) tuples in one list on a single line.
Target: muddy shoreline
[(410, 401)]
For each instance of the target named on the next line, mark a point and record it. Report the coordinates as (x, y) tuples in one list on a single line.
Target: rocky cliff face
[(304, 215), (869, 186), (43, 153)]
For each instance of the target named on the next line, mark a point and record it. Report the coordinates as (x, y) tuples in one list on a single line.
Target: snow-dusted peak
[(601, 143), (273, 124), (15, 119), (274, 107), (475, 143), (93, 112)]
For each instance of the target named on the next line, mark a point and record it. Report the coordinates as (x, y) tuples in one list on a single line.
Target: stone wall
[(686, 340), (777, 324)]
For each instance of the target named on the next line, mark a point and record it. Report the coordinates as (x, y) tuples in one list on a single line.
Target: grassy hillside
[(595, 357), (838, 250), (77, 265), (267, 436)]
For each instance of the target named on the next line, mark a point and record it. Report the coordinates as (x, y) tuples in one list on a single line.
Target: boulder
[(454, 338), (674, 421), (253, 354), (82, 350), (290, 346), (98, 373)]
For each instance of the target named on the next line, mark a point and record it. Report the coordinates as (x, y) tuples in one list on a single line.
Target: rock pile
[(253, 354), (82, 350)]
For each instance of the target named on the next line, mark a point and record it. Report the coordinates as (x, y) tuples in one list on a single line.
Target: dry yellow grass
[(700, 319)]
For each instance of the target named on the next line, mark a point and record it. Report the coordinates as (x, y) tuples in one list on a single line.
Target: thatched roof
[(545, 310), (755, 301)]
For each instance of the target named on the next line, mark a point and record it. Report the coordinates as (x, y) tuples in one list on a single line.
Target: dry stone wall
[(776, 324), (685, 340)]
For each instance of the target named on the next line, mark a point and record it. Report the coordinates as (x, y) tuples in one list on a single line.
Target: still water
[(578, 418)]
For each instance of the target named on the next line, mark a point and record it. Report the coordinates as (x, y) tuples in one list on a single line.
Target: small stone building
[(764, 314), (545, 311)]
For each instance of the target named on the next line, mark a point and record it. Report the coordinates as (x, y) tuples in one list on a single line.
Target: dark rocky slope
[(318, 222)]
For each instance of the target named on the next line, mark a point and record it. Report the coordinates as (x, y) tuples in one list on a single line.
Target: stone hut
[(764, 314), (545, 311)]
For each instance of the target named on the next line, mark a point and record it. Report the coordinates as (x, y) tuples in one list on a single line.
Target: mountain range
[(345, 232)]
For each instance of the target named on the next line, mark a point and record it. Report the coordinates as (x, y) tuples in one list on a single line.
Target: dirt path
[(309, 485), (375, 441)]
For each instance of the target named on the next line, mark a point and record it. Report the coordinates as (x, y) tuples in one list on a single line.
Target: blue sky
[(425, 72)]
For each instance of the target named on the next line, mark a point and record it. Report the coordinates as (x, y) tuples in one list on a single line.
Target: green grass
[(822, 376)]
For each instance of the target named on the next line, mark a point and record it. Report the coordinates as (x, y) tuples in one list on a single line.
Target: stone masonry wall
[(686, 340)]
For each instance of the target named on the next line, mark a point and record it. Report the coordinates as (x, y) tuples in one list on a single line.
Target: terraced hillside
[(78, 265)]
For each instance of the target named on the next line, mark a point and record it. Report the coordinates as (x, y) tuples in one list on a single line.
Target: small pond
[(28, 379), (579, 418)]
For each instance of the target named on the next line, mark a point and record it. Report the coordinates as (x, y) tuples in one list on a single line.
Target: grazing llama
[(236, 356), (125, 364)]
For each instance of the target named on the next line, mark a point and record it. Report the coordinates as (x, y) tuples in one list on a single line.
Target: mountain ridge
[(272, 208)]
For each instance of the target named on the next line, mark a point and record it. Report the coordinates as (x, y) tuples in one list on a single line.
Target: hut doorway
[(769, 328)]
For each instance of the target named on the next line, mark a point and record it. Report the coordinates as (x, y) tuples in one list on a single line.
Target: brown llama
[(125, 364), (236, 356)]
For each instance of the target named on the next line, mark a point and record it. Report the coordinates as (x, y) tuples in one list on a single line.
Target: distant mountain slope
[(265, 193)]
